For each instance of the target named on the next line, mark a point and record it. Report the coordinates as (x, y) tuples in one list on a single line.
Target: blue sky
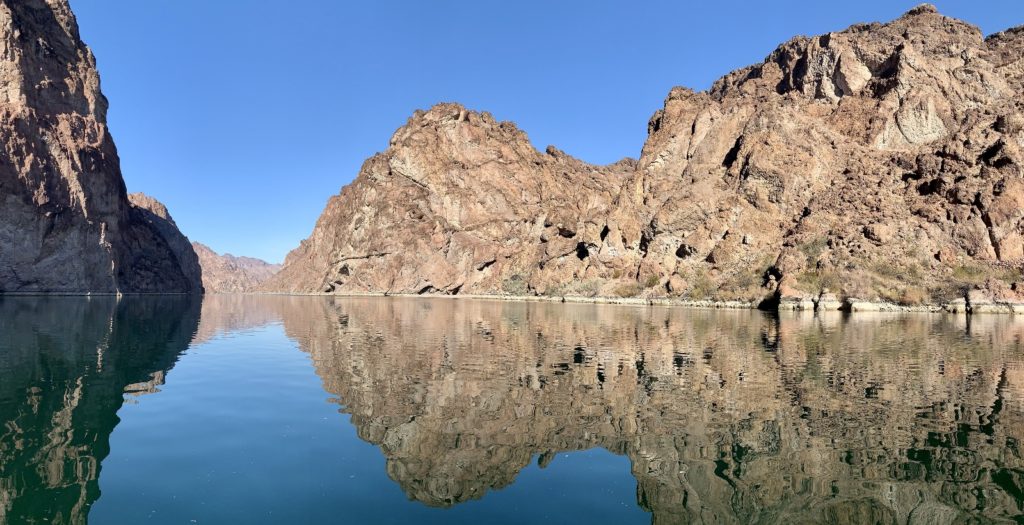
[(245, 116)]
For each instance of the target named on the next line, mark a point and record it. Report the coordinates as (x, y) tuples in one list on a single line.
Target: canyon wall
[(881, 162), (66, 223)]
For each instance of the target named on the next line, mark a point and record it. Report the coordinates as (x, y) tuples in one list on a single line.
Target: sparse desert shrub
[(627, 290), (814, 281), (914, 296), (701, 287), (969, 273), (589, 288), (813, 249), (910, 272), (515, 285), (652, 281)]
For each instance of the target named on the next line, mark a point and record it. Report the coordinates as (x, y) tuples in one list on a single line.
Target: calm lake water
[(291, 410)]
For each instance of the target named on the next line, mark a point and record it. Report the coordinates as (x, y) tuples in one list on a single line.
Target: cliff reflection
[(66, 365), (726, 416)]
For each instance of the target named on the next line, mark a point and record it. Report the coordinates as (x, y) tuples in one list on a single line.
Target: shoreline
[(850, 306)]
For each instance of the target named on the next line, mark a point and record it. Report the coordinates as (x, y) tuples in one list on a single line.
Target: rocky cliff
[(155, 215), (66, 224), (230, 274), (882, 162)]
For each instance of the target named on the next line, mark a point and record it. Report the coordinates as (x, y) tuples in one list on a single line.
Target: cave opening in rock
[(685, 250), (731, 155), (604, 232), (581, 251), (645, 242)]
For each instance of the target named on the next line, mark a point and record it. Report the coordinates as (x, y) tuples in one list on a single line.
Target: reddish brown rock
[(882, 162), (230, 274), (66, 224)]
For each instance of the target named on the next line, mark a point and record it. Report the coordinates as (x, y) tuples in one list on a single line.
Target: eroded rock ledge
[(876, 165)]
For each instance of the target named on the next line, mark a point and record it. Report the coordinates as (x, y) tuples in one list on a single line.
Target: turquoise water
[(234, 409)]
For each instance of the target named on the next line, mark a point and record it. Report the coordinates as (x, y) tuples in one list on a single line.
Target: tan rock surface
[(881, 162), (66, 224), (230, 274)]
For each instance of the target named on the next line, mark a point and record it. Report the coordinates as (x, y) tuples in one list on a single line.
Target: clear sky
[(245, 116)]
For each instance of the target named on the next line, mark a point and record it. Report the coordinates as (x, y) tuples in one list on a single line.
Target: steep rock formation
[(879, 162), (458, 202), (66, 224), (154, 214), (230, 274)]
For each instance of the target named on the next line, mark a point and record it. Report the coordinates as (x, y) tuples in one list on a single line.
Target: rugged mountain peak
[(922, 9), (150, 204), (66, 224), (230, 274), (879, 162), (467, 193), (918, 52)]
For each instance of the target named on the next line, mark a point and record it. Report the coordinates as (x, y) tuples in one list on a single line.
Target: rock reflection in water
[(66, 365), (731, 417), (725, 416)]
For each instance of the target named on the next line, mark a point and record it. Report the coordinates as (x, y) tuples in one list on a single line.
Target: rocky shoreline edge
[(973, 303)]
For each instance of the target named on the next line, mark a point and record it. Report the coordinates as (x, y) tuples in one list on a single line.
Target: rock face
[(882, 162), (230, 274), (156, 216), (66, 224)]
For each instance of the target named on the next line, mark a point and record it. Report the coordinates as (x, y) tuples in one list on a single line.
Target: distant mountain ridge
[(230, 274), (879, 163)]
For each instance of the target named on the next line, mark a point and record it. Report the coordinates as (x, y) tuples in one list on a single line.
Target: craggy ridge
[(879, 164)]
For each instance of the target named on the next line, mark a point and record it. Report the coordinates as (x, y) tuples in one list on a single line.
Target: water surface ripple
[(272, 409)]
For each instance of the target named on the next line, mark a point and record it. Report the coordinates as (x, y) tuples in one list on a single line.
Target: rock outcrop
[(230, 274), (155, 215), (882, 162), (66, 224)]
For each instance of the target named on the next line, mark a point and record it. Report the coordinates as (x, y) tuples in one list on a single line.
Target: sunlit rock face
[(226, 273), (66, 367), (878, 162), (459, 203), (726, 417), (66, 224)]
